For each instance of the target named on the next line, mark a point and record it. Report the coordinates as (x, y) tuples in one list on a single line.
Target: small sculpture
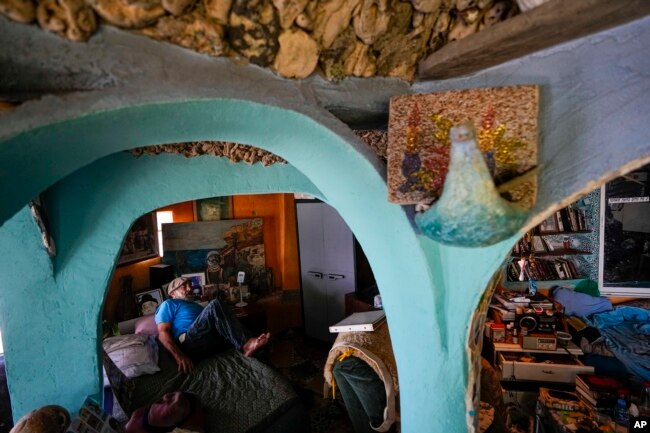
[(47, 419), (522, 267), (470, 212)]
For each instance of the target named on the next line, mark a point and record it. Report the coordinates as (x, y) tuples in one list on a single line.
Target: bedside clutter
[(598, 404), (545, 370)]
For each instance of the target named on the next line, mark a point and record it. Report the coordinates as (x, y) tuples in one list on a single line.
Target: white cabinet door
[(326, 265)]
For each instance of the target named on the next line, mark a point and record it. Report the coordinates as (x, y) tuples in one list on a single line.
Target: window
[(163, 217), (625, 235)]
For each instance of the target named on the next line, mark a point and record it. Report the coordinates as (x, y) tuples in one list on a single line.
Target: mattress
[(239, 394)]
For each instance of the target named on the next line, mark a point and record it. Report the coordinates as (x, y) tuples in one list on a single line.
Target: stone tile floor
[(301, 359)]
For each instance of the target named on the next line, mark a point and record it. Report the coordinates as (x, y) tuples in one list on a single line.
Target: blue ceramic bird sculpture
[(470, 212)]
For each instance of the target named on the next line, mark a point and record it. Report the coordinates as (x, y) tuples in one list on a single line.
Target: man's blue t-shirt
[(181, 314)]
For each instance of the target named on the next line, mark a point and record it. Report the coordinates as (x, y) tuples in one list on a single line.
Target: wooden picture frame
[(145, 301), (141, 241), (549, 225), (213, 208)]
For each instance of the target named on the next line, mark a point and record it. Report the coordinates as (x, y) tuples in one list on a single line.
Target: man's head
[(179, 288), (170, 410), (173, 410)]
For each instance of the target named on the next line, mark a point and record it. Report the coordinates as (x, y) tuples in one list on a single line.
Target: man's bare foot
[(253, 344)]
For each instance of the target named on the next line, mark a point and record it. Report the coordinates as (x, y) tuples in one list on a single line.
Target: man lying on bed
[(191, 333)]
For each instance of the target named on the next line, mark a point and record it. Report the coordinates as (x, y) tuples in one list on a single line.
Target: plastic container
[(621, 414), (563, 338)]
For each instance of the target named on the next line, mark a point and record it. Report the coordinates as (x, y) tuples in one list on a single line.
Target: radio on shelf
[(539, 342)]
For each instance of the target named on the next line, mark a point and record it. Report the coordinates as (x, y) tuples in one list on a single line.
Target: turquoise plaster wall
[(51, 317)]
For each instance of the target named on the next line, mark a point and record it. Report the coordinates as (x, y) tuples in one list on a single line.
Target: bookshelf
[(563, 248)]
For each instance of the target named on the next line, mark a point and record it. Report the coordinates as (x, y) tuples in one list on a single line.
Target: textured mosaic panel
[(505, 119)]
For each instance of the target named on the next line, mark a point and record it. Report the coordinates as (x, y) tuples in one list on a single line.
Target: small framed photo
[(198, 281), (213, 209), (549, 225), (141, 241), (148, 301)]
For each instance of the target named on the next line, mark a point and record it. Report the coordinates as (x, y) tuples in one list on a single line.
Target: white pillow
[(133, 354)]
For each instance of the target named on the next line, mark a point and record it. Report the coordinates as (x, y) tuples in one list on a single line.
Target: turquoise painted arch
[(56, 306)]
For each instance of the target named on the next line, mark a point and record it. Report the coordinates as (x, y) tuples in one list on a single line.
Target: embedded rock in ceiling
[(72, 19), (377, 140), (234, 151), (128, 14), (193, 30), (359, 38)]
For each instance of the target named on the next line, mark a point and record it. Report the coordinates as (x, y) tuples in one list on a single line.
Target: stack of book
[(511, 300), (559, 268), (571, 219), (360, 321), (505, 302), (599, 393)]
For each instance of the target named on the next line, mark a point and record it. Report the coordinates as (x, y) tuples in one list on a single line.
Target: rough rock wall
[(295, 38), (377, 140)]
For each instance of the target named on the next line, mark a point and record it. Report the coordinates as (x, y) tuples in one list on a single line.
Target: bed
[(239, 394), (615, 339)]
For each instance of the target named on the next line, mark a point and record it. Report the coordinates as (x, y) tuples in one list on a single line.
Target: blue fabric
[(181, 314), (627, 334), (606, 365), (580, 304)]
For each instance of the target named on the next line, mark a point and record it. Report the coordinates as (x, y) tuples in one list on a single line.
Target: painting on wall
[(213, 208), (505, 120), (220, 249), (141, 241)]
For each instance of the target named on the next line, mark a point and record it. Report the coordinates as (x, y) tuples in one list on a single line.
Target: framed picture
[(148, 301), (213, 209), (218, 249), (549, 225), (198, 281), (141, 241)]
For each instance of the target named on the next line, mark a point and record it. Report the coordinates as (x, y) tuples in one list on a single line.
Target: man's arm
[(165, 336)]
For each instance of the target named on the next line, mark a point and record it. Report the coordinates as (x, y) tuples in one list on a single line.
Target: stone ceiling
[(294, 38)]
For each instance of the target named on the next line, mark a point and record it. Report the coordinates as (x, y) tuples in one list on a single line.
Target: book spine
[(573, 219), (560, 225)]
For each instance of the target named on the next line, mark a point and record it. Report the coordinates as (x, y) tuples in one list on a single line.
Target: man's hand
[(185, 364)]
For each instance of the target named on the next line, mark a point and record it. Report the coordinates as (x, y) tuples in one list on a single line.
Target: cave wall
[(294, 38)]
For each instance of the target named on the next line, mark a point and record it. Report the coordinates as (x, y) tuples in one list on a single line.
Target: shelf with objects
[(525, 343), (562, 250)]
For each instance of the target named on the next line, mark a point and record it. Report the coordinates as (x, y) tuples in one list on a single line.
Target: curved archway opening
[(554, 271), (335, 166)]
